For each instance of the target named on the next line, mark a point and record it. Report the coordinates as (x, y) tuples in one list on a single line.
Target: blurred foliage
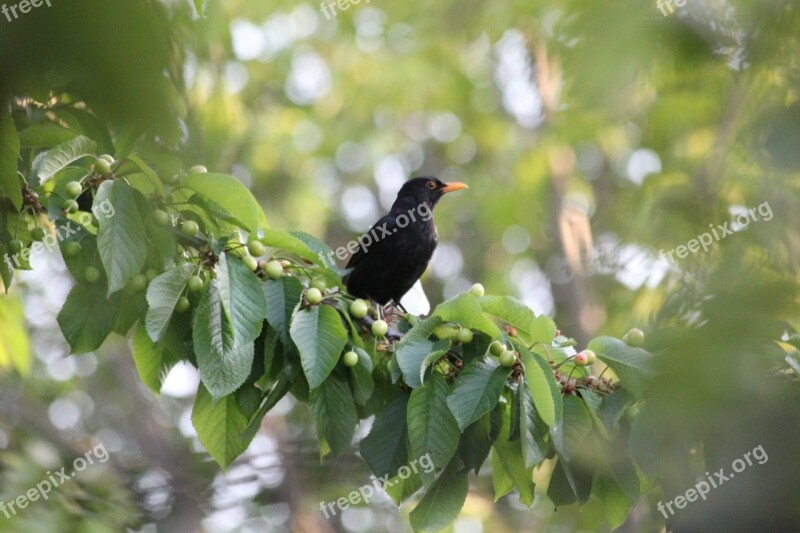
[(592, 134)]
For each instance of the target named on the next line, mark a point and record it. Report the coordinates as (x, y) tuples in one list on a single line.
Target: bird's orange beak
[(454, 186)]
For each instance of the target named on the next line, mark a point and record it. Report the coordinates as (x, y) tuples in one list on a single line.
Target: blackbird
[(395, 252)]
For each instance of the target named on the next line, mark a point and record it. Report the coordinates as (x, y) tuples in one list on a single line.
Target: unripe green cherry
[(91, 274), (634, 337), (71, 249), (102, 166), (195, 284), (137, 282), (631, 412), (350, 359), (580, 359), (445, 331), (313, 296), (182, 305), (477, 290), (318, 283), (497, 348), (38, 233), (160, 218), (464, 336), (71, 206), (108, 158), (74, 189), (15, 246), (256, 248), (274, 270), (508, 358), (359, 309), (151, 274), (380, 328), (591, 356), (190, 228), (250, 262), (198, 169)]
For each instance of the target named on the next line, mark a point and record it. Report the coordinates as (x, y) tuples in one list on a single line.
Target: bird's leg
[(400, 306), (378, 307)]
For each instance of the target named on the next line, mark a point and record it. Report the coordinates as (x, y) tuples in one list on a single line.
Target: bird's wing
[(373, 239)]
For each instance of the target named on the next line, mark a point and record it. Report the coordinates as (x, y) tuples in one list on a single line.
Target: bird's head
[(425, 190)]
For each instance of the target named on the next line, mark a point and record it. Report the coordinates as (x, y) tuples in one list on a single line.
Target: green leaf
[(510, 454), (432, 430), (6, 271), (501, 481), (218, 425), (45, 135), (633, 366), (87, 317), (607, 410), (579, 476), (320, 337), (231, 196), (153, 360), (544, 390), (223, 363), (616, 502), (120, 241), (543, 330), (476, 442), (465, 309), (334, 412), (477, 390), (617, 485), (413, 349), (15, 344), (559, 489), (577, 423), (288, 242), (363, 384), (511, 311), (400, 489), (384, 448), (133, 311), (282, 297), (152, 177), (9, 155), (46, 164), (313, 244), (442, 502), (241, 297), (283, 382), (162, 295), (533, 429), (85, 122), (440, 348)]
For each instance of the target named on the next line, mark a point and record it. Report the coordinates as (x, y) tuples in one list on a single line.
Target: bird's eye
[(431, 185)]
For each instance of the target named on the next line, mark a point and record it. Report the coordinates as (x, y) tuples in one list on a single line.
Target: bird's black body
[(385, 269)]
